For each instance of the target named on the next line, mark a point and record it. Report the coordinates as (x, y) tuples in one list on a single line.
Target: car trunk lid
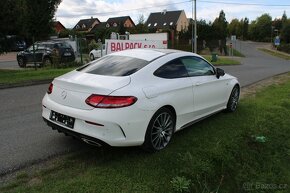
[(72, 89)]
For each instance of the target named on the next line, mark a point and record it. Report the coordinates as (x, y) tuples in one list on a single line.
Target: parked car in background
[(138, 97), (97, 53), (15, 43), (44, 53)]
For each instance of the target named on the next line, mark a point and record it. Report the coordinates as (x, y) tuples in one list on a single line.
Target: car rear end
[(84, 104), (66, 52)]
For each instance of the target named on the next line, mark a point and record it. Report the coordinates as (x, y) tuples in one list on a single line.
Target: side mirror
[(219, 72)]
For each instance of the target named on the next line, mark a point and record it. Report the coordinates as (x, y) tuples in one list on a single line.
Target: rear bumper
[(88, 139), (68, 58), (118, 127)]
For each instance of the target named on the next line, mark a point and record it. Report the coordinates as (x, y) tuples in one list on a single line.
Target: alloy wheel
[(162, 130)]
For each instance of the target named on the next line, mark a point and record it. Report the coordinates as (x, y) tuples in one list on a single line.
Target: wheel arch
[(172, 110)]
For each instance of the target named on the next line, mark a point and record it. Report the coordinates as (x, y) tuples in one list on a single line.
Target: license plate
[(62, 119), (67, 54)]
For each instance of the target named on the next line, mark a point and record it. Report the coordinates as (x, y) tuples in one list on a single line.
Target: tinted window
[(172, 69), (114, 66), (197, 66)]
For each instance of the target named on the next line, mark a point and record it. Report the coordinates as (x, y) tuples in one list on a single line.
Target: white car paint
[(192, 98)]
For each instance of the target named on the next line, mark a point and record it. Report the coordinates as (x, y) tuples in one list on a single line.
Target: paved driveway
[(8, 61), (25, 139), (257, 65)]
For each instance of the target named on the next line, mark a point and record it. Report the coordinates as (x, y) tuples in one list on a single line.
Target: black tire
[(21, 62), (159, 131), (234, 99), (92, 57), (46, 62)]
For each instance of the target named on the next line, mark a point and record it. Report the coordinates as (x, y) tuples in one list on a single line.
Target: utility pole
[(192, 39), (195, 29)]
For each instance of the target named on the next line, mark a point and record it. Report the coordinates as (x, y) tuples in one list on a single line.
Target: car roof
[(50, 42), (147, 54)]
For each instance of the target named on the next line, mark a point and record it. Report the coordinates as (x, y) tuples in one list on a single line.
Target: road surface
[(9, 65), (25, 139), (257, 65)]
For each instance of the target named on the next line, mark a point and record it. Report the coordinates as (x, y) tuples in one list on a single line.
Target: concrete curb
[(28, 83)]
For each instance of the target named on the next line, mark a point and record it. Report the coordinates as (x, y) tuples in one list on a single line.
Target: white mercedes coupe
[(138, 97)]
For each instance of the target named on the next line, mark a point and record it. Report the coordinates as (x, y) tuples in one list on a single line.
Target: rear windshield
[(62, 45), (114, 66)]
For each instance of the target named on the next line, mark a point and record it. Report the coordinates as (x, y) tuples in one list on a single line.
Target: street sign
[(233, 37), (277, 41)]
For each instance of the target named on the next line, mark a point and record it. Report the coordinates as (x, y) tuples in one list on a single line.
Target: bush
[(284, 48), (93, 45)]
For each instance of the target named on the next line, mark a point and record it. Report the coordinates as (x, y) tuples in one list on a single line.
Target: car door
[(174, 87), (209, 92), (38, 53)]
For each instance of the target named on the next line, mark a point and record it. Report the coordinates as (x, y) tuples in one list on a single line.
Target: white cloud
[(71, 11)]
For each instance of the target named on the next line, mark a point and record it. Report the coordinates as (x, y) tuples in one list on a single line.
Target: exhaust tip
[(91, 142)]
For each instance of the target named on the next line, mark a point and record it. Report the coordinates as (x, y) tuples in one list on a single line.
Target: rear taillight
[(101, 101), (49, 90)]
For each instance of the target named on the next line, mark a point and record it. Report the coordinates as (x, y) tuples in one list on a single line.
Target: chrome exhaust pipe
[(91, 142)]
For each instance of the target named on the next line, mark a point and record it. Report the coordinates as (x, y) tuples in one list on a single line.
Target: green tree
[(11, 18), (26, 18), (140, 27), (260, 29), (245, 28), (40, 17), (285, 33), (220, 25), (284, 18), (235, 28)]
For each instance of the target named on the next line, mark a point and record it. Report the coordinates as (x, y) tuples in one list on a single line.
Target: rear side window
[(172, 69), (114, 66), (196, 66)]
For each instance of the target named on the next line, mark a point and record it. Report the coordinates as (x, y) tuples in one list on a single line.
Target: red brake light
[(49, 90), (101, 101)]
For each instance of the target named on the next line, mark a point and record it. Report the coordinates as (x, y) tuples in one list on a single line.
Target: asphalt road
[(25, 139), (257, 65), (9, 65)]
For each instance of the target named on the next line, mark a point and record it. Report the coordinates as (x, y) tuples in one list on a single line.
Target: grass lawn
[(29, 74), (224, 153), (222, 61), (277, 54), (236, 52)]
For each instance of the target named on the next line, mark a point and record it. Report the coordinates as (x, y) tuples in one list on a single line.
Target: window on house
[(155, 24), (115, 25), (84, 26), (165, 23), (107, 25), (77, 27), (149, 24), (171, 23)]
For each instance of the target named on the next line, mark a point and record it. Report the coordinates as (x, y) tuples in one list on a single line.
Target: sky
[(69, 12)]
